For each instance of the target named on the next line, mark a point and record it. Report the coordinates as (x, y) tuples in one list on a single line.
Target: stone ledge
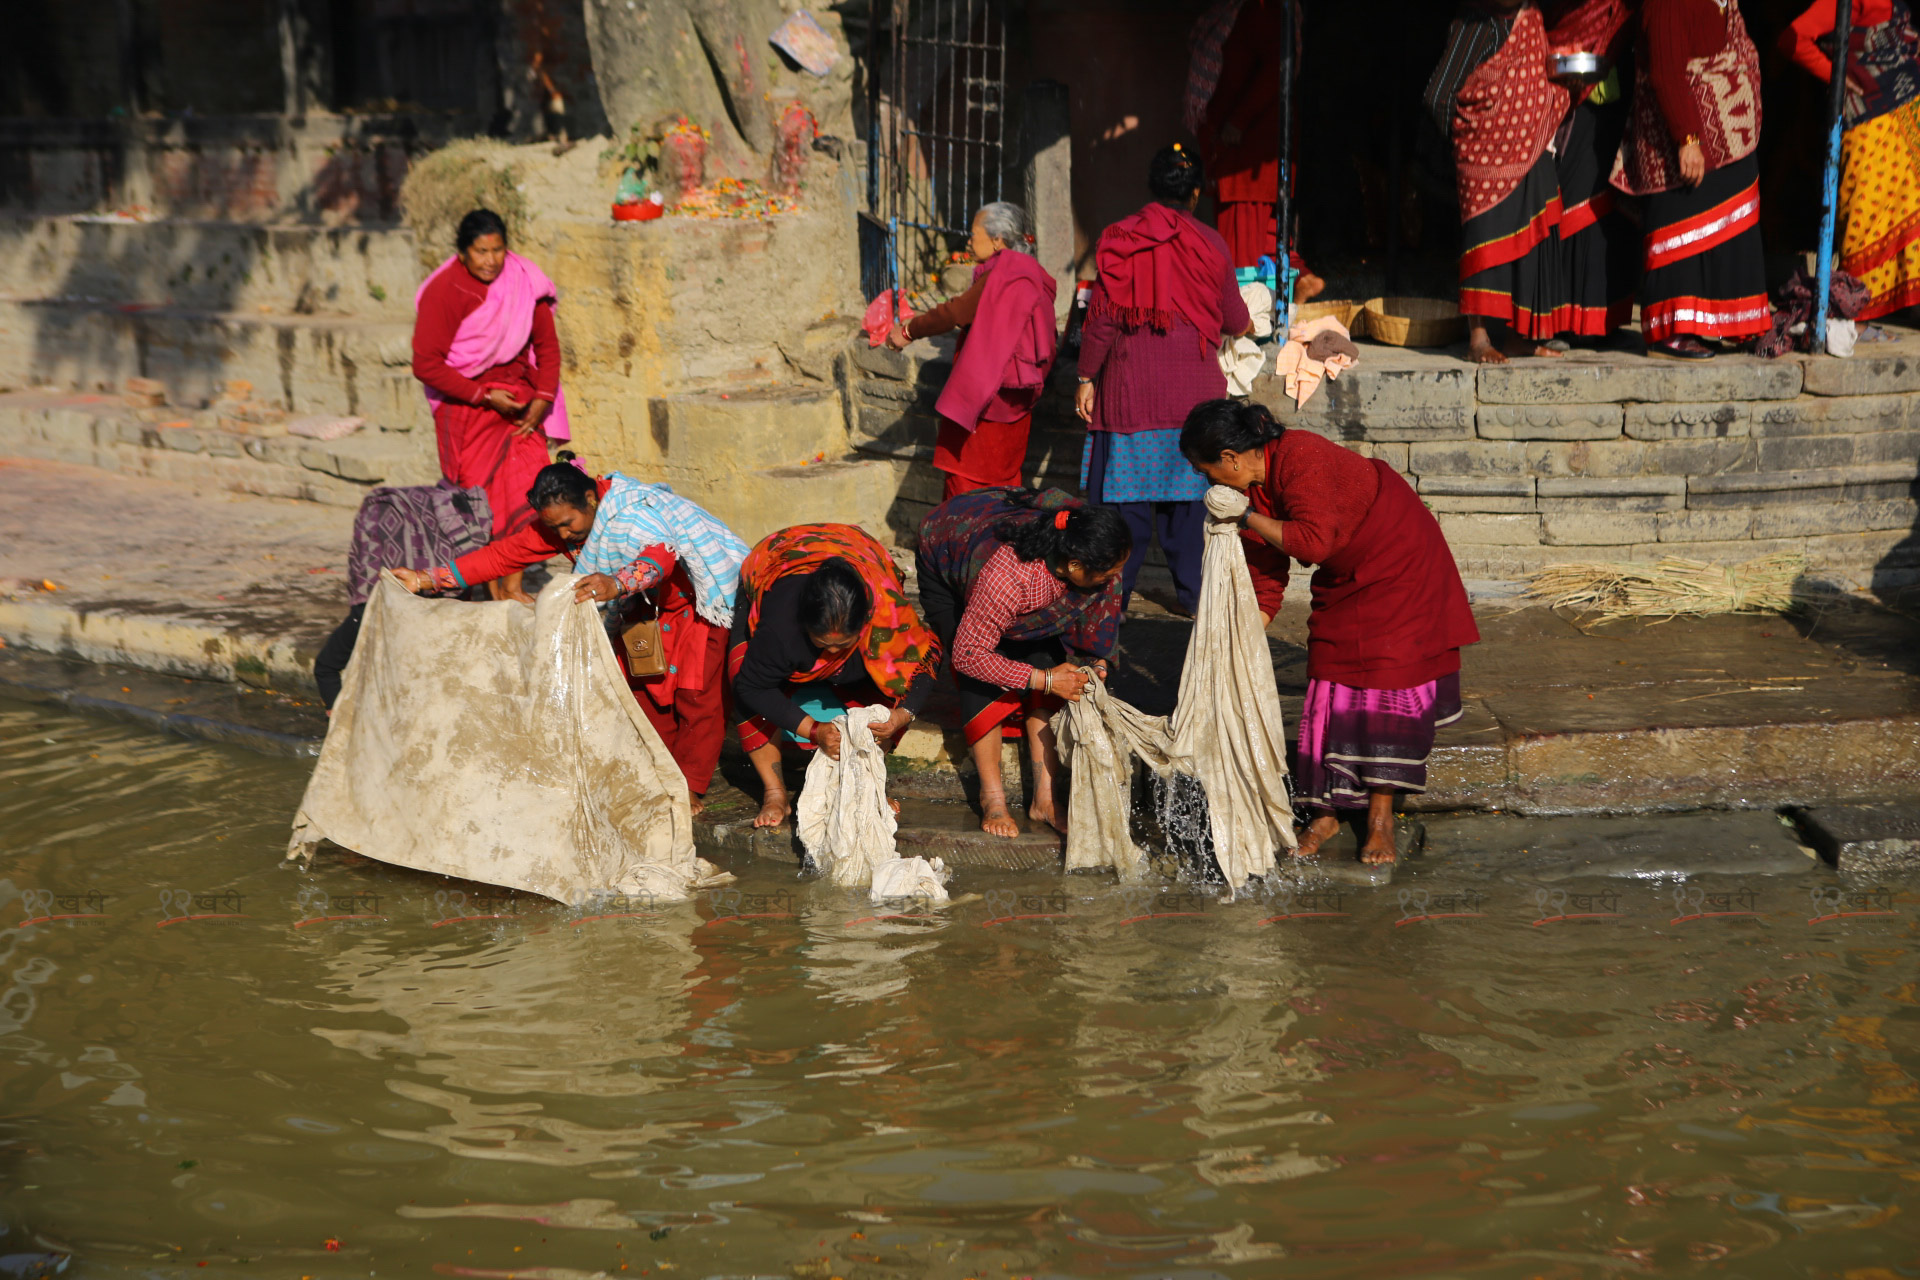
[(1864, 373), (1548, 422), (1820, 415), (1888, 480), (1590, 381), (1687, 421)]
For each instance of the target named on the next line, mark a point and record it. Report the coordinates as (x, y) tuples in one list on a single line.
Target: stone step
[(101, 431), (368, 273), (301, 364)]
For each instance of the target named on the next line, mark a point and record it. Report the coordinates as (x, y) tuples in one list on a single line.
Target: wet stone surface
[(1865, 838), (1650, 847)]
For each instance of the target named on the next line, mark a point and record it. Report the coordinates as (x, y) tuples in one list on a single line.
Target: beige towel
[(843, 818), (499, 743)]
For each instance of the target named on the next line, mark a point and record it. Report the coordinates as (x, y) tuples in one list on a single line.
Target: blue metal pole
[(1283, 201), (1830, 185)]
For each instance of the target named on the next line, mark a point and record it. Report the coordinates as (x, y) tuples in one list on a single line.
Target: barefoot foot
[(1481, 351), (997, 820), (773, 810), (1379, 849), (699, 804), (1318, 832)]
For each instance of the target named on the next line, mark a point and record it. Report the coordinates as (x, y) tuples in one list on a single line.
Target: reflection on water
[(497, 1086)]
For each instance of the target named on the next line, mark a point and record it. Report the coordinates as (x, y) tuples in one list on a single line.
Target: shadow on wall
[(1896, 579)]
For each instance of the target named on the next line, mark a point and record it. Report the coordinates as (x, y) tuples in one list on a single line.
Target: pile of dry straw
[(1670, 588)]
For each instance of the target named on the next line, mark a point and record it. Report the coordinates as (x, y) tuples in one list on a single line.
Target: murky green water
[(216, 1084)]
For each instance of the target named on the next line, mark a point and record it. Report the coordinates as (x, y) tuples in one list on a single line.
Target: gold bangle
[(1691, 140)]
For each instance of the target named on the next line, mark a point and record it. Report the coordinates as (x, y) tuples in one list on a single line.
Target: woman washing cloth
[(1021, 589), (986, 408), (822, 623), (630, 538), (1390, 614), (485, 348)]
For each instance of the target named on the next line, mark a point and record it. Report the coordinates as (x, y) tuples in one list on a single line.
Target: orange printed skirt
[(1880, 202)]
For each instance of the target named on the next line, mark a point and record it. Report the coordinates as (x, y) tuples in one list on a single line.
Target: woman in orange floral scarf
[(813, 598)]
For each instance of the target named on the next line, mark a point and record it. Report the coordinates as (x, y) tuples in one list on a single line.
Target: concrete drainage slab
[(1648, 847), (1864, 838)]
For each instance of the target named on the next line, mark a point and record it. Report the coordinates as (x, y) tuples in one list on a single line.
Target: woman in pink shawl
[(484, 346), (986, 408)]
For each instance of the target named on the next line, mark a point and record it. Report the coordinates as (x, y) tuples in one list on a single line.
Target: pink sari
[(500, 328)]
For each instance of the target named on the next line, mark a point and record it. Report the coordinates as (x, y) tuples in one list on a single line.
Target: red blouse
[(452, 298)]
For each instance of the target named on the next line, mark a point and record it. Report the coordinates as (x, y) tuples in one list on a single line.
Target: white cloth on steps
[(1227, 727), (846, 824)]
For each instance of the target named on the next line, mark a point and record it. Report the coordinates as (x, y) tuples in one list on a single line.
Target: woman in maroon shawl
[(1492, 97), (1689, 151), (485, 347), (1165, 298), (1389, 611), (986, 408)]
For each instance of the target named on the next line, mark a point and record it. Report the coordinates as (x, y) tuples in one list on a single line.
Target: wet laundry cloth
[(1226, 730), (1301, 369), (843, 818), (1227, 726), (1241, 359), (501, 744), (1099, 738)]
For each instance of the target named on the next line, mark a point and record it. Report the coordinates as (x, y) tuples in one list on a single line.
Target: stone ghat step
[(301, 364), (102, 431), (364, 272)]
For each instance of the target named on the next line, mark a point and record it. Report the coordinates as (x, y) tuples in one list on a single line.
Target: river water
[(211, 1064)]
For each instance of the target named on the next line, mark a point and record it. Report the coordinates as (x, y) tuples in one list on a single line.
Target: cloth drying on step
[(1302, 371)]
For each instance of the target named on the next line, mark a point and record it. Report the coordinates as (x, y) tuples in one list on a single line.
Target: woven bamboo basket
[(1350, 314), (1415, 322)]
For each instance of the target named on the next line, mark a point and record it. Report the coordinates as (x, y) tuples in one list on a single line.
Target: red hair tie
[(1060, 518)]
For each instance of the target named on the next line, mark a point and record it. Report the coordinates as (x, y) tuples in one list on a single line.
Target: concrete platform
[(1865, 839)]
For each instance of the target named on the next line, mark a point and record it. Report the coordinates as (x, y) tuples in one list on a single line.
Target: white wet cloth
[(501, 744), (1099, 738), (844, 819), (915, 878), (1227, 728)]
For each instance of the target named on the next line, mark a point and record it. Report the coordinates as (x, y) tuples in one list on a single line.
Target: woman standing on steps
[(986, 408), (485, 349), (822, 623), (1165, 298), (1023, 590), (1390, 614), (628, 540), (1689, 149)]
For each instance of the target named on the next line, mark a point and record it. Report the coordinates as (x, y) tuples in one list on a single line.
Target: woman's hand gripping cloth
[(1227, 729), (1099, 738), (500, 744), (846, 824)]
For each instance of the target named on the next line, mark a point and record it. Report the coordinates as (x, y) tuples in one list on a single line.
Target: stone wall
[(1597, 456), (253, 168)]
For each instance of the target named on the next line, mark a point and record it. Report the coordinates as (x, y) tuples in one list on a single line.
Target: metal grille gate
[(937, 112)]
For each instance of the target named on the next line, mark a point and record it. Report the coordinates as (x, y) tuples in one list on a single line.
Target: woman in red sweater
[(485, 348), (630, 538), (1689, 150), (1390, 614)]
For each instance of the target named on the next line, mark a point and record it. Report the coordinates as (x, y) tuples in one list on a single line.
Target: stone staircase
[(317, 320), (1596, 456)]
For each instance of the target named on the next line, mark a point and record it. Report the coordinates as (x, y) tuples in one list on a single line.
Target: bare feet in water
[(774, 809), (995, 818), (1318, 832)]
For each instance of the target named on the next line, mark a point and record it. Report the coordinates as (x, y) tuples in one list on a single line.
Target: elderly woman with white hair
[(986, 408)]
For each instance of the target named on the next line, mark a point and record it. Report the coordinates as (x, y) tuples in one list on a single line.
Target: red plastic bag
[(881, 318)]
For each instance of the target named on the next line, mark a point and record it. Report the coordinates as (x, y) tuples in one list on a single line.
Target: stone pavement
[(236, 592)]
